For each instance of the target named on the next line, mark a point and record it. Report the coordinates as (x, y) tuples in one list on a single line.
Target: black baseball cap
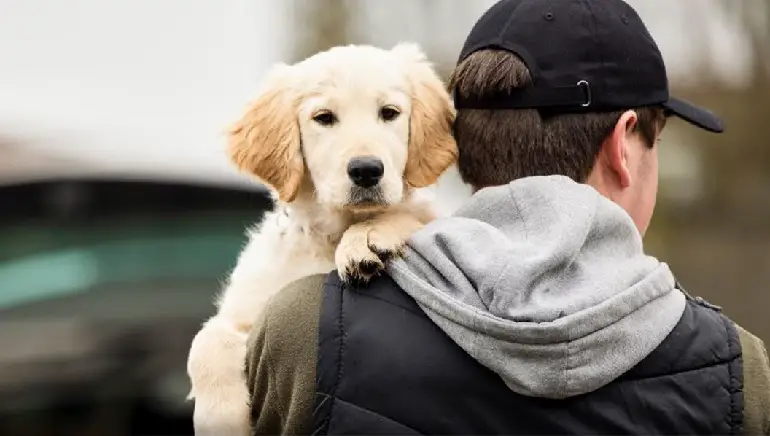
[(583, 56)]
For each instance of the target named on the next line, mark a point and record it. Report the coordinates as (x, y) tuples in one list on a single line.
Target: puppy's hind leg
[(216, 369)]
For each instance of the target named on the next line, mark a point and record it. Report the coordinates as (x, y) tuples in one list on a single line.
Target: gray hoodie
[(545, 282)]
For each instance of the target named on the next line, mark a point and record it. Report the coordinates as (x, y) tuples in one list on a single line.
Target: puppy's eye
[(325, 118), (389, 113)]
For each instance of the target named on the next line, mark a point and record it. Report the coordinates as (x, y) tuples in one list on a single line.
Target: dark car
[(103, 284)]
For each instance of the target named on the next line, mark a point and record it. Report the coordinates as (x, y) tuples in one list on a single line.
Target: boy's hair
[(499, 146)]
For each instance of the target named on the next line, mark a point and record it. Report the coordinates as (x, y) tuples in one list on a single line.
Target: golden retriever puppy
[(344, 139)]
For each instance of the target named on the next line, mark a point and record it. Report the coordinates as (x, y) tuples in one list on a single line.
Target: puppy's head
[(359, 125)]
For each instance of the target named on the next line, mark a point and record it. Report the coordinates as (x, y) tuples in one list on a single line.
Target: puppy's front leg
[(366, 246)]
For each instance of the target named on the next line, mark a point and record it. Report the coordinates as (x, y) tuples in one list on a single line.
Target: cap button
[(548, 16), (624, 19)]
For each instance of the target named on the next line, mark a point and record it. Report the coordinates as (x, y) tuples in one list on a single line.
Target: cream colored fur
[(319, 224)]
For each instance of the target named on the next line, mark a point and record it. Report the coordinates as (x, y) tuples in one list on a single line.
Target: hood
[(545, 282)]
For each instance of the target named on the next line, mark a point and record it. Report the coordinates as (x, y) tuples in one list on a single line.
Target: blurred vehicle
[(103, 283)]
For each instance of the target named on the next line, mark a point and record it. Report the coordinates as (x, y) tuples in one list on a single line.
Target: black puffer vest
[(384, 368)]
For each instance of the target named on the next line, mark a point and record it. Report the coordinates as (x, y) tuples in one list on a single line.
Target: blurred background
[(119, 215)]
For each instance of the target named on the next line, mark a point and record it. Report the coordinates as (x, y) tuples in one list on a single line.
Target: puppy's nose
[(365, 171)]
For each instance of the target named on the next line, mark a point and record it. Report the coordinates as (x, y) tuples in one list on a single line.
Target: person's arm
[(756, 384), (281, 360)]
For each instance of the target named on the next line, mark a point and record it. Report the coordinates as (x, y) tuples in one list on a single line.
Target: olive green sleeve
[(756, 385), (281, 360)]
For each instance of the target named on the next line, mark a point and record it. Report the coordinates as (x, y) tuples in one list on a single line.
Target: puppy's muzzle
[(365, 171)]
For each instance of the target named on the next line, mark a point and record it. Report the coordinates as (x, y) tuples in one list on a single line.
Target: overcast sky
[(147, 86)]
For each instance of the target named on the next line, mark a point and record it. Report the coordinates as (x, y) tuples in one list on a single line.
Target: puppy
[(344, 138)]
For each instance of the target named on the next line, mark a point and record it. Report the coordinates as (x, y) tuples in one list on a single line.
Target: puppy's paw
[(356, 262), (366, 247), (386, 243), (388, 236)]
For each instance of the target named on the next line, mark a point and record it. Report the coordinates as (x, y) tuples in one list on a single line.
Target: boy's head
[(576, 88)]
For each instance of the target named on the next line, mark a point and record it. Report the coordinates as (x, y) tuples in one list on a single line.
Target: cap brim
[(694, 115)]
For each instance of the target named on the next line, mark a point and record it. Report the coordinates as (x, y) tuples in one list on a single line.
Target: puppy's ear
[(432, 148), (265, 142)]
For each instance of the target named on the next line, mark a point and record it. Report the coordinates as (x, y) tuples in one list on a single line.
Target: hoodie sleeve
[(281, 360), (756, 384)]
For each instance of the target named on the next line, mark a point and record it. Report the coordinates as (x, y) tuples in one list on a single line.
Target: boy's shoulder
[(756, 383), (281, 359)]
